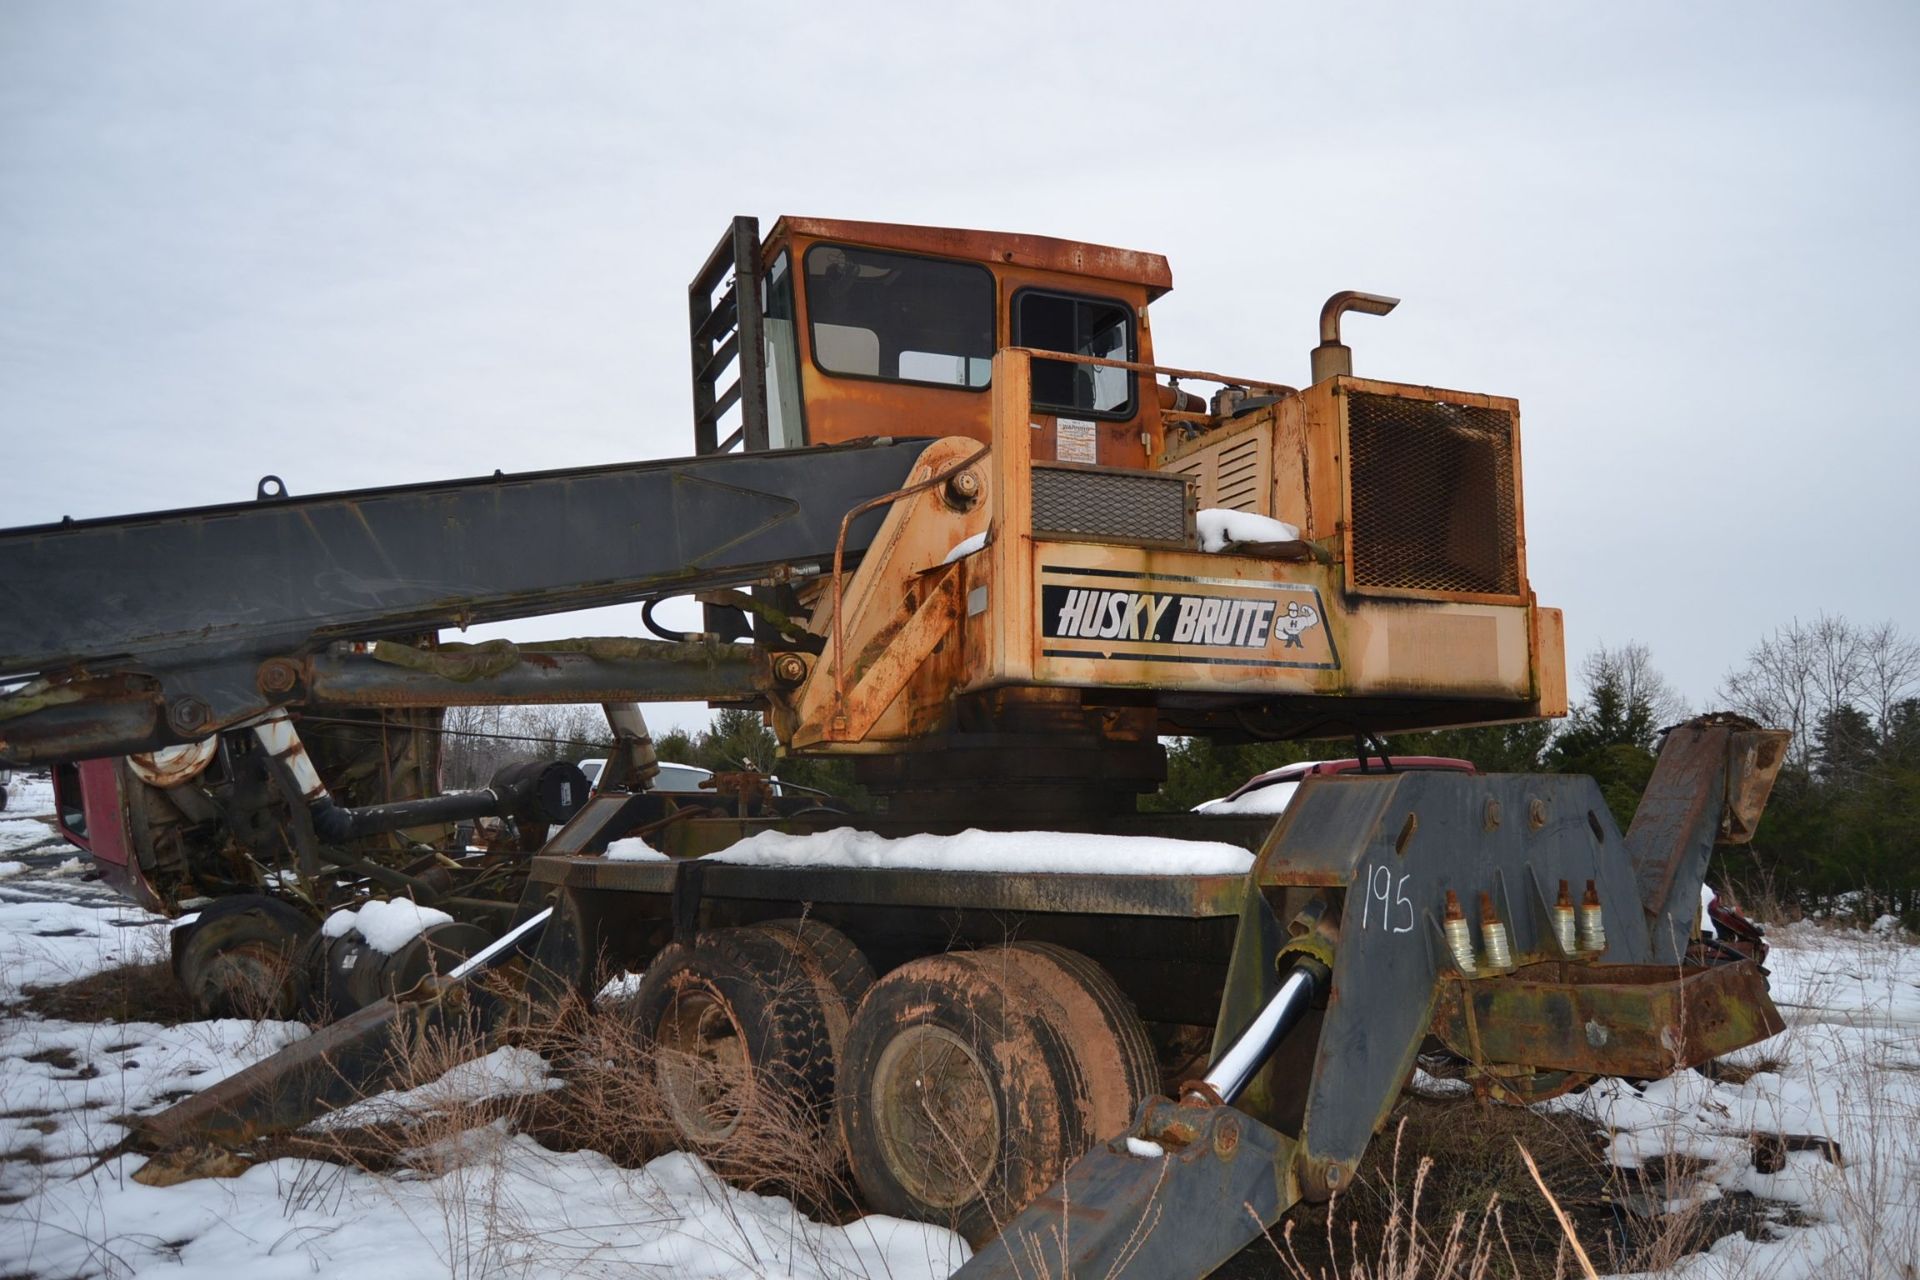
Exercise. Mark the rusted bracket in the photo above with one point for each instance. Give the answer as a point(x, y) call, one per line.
point(886, 665)
point(1185, 1189)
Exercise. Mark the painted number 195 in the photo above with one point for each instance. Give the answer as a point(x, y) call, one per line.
point(1394, 903)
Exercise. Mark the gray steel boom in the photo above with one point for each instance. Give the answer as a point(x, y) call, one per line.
point(155, 627)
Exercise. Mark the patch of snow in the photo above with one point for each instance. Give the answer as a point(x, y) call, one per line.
point(44, 943)
point(23, 833)
point(506, 1072)
point(1272, 799)
point(1847, 1070)
point(634, 849)
point(504, 1205)
point(385, 926)
point(623, 987)
point(1050, 852)
point(1431, 1086)
point(1221, 527)
point(966, 547)
point(63, 1085)
point(1144, 1149)
point(11, 869)
point(71, 867)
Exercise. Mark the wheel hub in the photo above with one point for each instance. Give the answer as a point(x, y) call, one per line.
point(936, 1117)
point(702, 1066)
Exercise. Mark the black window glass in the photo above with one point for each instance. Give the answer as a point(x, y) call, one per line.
point(67, 788)
point(894, 316)
point(1084, 326)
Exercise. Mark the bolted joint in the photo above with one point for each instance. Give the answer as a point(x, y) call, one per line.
point(789, 669)
point(277, 676)
point(188, 715)
point(962, 490)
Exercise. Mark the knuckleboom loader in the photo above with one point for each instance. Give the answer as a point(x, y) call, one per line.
point(949, 517)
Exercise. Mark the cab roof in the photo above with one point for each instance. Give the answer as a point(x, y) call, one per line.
point(1040, 253)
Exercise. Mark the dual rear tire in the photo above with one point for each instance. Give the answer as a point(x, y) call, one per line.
point(958, 1087)
point(746, 1027)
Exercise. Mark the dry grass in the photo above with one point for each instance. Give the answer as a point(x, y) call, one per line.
point(144, 992)
point(1450, 1198)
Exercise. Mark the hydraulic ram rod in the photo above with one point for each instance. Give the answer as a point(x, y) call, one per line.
point(1228, 1077)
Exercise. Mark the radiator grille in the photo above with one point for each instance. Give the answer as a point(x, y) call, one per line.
point(1130, 506)
point(1433, 496)
point(1233, 473)
point(1238, 482)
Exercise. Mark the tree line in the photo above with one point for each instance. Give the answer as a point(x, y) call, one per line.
point(478, 741)
point(1842, 830)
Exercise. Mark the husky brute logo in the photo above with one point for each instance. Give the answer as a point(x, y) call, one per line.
point(1100, 614)
point(1089, 613)
point(1160, 617)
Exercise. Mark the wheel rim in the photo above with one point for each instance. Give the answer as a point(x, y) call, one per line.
point(702, 1065)
point(245, 981)
point(936, 1116)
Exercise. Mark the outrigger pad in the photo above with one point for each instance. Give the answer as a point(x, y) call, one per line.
point(1218, 1181)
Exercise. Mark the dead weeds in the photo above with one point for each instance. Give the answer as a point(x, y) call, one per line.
point(127, 993)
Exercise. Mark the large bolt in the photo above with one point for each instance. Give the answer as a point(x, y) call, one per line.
point(963, 490)
point(277, 675)
point(188, 715)
point(789, 669)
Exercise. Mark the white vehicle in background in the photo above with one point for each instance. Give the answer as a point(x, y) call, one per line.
point(672, 777)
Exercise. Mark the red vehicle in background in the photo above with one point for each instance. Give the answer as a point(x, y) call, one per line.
point(1272, 791)
point(88, 804)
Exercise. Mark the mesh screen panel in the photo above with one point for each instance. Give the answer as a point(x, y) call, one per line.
point(1433, 496)
point(1139, 506)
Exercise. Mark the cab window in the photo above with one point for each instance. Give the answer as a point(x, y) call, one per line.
point(1084, 326)
point(786, 420)
point(899, 317)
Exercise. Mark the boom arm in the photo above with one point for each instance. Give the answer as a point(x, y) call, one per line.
point(159, 628)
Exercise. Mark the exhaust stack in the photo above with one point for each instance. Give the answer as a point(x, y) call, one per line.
point(1332, 358)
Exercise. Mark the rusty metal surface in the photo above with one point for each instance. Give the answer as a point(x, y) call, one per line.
point(1638, 1021)
point(201, 598)
point(501, 673)
point(171, 766)
point(1753, 762)
point(1711, 781)
point(1120, 1216)
point(336, 1065)
point(1040, 253)
point(1184, 897)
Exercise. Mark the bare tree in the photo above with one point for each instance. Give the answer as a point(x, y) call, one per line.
point(1805, 673)
point(481, 740)
point(1632, 665)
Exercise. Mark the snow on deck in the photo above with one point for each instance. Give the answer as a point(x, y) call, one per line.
point(1050, 852)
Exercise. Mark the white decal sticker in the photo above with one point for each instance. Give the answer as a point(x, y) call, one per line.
point(1076, 441)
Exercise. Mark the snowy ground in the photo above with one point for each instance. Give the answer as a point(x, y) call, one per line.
point(1848, 1070)
point(507, 1206)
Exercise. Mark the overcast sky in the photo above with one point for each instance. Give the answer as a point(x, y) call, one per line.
point(358, 244)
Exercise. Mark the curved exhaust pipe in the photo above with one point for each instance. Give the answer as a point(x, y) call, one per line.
point(1332, 358)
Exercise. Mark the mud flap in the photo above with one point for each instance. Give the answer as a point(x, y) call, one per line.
point(1218, 1182)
